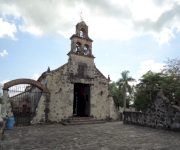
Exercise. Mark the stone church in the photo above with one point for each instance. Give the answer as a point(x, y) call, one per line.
point(77, 88)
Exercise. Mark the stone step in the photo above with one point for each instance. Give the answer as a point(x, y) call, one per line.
point(83, 120)
point(82, 123)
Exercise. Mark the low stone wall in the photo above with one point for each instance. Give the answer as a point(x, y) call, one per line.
point(161, 114)
point(134, 118)
point(116, 113)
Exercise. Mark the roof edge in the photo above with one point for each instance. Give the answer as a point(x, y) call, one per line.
point(100, 72)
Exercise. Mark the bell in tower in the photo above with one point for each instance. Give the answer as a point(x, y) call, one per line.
point(81, 44)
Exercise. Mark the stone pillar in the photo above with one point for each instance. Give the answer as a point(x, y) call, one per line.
point(92, 100)
point(6, 105)
point(111, 102)
point(73, 46)
point(47, 100)
point(40, 110)
point(77, 31)
point(90, 50)
point(71, 99)
point(82, 49)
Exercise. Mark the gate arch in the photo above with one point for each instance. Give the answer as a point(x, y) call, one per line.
point(22, 98)
point(25, 81)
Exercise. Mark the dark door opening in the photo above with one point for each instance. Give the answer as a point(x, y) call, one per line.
point(81, 105)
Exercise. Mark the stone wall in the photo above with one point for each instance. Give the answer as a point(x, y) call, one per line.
point(61, 95)
point(116, 113)
point(161, 114)
point(39, 115)
point(60, 84)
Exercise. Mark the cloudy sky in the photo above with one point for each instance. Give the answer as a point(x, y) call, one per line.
point(134, 35)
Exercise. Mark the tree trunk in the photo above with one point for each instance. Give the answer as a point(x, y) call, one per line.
point(124, 98)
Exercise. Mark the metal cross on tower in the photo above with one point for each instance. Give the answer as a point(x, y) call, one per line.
point(81, 16)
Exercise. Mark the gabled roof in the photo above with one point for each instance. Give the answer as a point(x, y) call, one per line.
point(59, 68)
point(44, 73)
point(100, 72)
point(82, 22)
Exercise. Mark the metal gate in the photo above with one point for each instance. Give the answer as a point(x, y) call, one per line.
point(24, 100)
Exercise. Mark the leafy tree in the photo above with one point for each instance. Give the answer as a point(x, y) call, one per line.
point(147, 89)
point(172, 85)
point(173, 66)
point(124, 86)
point(150, 84)
point(168, 80)
point(117, 93)
point(141, 101)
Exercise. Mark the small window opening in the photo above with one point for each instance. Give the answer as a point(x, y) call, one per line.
point(81, 34)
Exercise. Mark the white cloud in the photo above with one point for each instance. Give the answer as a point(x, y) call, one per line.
point(107, 55)
point(4, 53)
point(164, 36)
point(110, 19)
point(147, 65)
point(31, 29)
point(35, 76)
point(7, 29)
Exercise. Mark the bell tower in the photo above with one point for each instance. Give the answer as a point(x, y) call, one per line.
point(81, 44)
point(81, 59)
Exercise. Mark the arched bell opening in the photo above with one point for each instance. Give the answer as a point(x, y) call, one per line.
point(78, 47)
point(86, 49)
point(82, 33)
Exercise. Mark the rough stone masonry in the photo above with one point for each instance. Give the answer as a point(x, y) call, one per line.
point(161, 114)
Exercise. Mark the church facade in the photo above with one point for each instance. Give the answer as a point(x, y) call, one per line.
point(78, 87)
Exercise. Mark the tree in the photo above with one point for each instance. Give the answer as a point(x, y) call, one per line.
point(125, 87)
point(141, 101)
point(147, 89)
point(117, 93)
point(173, 66)
point(168, 80)
point(150, 84)
point(172, 84)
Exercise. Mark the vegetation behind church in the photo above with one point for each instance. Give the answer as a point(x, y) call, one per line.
point(144, 93)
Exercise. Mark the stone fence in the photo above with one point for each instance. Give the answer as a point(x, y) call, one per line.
point(121, 109)
point(161, 114)
point(116, 112)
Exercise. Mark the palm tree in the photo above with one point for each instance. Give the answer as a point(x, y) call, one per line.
point(125, 87)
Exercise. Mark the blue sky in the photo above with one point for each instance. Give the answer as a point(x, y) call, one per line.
point(127, 35)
